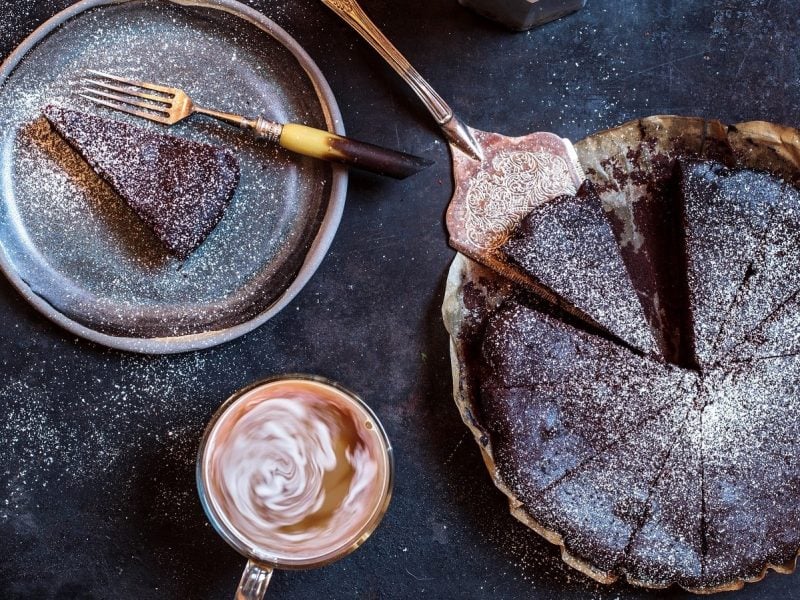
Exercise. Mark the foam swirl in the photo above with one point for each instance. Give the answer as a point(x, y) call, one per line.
point(296, 476)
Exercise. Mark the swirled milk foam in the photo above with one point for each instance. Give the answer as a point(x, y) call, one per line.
point(296, 470)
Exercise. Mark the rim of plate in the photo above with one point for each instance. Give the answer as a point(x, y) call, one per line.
point(316, 253)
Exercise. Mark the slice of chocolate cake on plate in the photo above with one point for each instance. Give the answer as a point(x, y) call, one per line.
point(177, 187)
point(568, 245)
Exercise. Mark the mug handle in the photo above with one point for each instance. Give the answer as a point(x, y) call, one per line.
point(254, 582)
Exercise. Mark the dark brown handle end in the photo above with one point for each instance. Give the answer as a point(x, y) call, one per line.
point(377, 159)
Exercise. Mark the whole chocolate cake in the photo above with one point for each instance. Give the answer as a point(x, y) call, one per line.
point(179, 188)
point(682, 469)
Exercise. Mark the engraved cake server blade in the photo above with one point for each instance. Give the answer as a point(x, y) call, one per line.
point(169, 105)
point(498, 179)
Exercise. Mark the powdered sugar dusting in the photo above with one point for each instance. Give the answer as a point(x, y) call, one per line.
point(179, 188)
point(113, 430)
point(700, 493)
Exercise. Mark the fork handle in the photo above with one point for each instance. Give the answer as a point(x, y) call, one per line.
point(325, 145)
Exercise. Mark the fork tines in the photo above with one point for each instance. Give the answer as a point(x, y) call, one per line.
point(137, 98)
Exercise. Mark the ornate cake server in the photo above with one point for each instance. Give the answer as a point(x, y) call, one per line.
point(498, 179)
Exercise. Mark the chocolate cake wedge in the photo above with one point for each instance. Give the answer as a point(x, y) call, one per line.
point(524, 347)
point(668, 546)
point(568, 245)
point(775, 275)
point(726, 216)
point(751, 471)
point(581, 429)
point(177, 187)
point(599, 507)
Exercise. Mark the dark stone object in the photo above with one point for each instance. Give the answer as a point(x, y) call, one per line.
point(524, 14)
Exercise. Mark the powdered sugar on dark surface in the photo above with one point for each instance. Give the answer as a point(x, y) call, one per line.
point(370, 316)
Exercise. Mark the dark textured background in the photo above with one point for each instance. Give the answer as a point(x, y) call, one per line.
point(97, 492)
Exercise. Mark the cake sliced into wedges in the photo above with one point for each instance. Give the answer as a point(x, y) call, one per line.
point(550, 393)
point(775, 274)
point(599, 507)
point(179, 188)
point(569, 246)
point(640, 470)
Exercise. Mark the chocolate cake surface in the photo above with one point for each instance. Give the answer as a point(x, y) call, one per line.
point(179, 188)
point(599, 507)
point(569, 246)
point(661, 474)
point(667, 548)
point(642, 470)
point(727, 214)
point(776, 336)
point(538, 370)
point(751, 471)
point(775, 273)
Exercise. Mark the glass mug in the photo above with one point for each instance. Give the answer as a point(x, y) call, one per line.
point(294, 472)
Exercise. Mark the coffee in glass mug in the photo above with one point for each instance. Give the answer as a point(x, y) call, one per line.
point(293, 473)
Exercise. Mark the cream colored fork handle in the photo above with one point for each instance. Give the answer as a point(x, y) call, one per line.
point(354, 15)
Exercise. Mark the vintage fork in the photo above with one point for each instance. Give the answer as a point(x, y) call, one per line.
point(169, 105)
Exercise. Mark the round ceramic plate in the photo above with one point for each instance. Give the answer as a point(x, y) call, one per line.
point(78, 253)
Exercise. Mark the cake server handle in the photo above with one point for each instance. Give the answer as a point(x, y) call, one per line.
point(352, 13)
